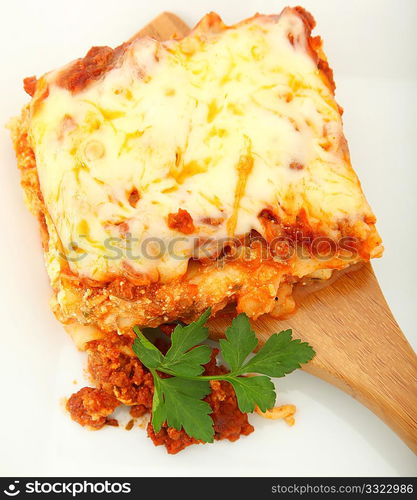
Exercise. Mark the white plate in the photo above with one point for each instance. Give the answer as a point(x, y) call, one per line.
point(371, 46)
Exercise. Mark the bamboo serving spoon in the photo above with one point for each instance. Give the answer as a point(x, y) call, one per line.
point(359, 346)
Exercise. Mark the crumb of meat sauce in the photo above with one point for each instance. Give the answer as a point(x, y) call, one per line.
point(181, 221)
point(130, 424)
point(122, 379)
point(91, 407)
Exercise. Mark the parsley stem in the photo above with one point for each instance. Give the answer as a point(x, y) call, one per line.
point(224, 376)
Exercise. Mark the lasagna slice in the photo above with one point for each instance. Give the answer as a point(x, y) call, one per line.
point(169, 177)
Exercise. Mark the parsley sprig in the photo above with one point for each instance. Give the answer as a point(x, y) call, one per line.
point(178, 400)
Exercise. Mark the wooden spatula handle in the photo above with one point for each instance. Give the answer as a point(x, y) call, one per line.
point(382, 383)
point(360, 347)
point(164, 27)
point(368, 355)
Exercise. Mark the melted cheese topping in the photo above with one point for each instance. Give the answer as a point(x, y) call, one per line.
point(221, 125)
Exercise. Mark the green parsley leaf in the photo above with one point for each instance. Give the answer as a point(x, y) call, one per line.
point(252, 391)
point(159, 415)
point(239, 343)
point(150, 355)
point(183, 338)
point(190, 363)
point(280, 355)
point(178, 400)
point(181, 358)
point(184, 408)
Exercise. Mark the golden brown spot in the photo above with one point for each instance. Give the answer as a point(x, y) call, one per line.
point(295, 165)
point(170, 92)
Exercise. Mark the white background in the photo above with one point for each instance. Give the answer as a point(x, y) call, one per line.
point(371, 46)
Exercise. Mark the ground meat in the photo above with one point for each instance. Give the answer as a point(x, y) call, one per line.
point(91, 407)
point(138, 411)
point(168, 329)
point(229, 422)
point(80, 73)
point(181, 221)
point(173, 440)
point(29, 84)
point(121, 378)
point(115, 369)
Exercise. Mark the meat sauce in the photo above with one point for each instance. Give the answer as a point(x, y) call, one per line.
point(120, 378)
point(181, 221)
point(80, 73)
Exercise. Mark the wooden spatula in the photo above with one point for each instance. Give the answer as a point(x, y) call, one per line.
point(360, 348)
